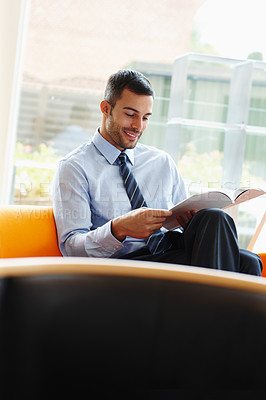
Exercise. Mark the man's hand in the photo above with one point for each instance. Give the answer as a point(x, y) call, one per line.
point(184, 220)
point(139, 223)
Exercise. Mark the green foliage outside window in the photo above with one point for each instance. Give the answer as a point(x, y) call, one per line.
point(34, 172)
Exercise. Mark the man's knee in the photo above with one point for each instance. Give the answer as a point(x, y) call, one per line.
point(215, 215)
point(213, 212)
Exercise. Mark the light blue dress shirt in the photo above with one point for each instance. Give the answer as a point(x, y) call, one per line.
point(88, 192)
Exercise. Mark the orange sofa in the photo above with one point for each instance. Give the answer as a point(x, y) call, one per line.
point(30, 231)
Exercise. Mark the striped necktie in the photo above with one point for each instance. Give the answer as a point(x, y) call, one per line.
point(157, 243)
point(132, 188)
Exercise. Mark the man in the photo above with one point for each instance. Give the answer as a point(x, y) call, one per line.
point(97, 215)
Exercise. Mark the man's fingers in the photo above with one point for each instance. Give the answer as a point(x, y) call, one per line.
point(181, 221)
point(156, 213)
point(184, 219)
point(190, 213)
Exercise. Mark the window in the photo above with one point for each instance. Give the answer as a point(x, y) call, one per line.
point(71, 49)
point(209, 132)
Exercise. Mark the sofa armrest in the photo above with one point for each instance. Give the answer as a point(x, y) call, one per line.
point(27, 231)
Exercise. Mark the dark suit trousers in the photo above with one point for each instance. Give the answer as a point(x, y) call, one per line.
point(209, 240)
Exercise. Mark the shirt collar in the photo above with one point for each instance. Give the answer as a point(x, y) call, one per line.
point(109, 151)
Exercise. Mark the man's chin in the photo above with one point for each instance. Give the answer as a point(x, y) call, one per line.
point(131, 145)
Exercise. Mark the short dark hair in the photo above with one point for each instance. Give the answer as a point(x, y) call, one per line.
point(134, 81)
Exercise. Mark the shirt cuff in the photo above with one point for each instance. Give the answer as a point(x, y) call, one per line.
point(104, 241)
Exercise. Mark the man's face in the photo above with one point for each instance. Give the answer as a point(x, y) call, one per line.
point(128, 119)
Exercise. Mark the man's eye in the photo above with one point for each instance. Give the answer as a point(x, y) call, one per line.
point(130, 115)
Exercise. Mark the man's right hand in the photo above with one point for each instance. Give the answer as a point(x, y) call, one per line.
point(140, 223)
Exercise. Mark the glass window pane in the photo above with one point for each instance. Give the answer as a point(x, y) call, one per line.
point(207, 91)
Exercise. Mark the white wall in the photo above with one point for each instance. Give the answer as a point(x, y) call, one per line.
point(13, 26)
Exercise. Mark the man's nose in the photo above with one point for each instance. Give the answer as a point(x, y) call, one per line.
point(138, 124)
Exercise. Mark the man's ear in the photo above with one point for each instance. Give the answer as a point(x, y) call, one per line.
point(105, 107)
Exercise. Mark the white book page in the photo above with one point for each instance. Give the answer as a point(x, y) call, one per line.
point(213, 199)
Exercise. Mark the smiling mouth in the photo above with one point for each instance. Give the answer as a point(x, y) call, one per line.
point(131, 134)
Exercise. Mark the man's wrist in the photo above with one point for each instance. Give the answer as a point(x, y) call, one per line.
point(117, 230)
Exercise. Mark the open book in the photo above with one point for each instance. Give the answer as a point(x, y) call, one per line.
point(212, 199)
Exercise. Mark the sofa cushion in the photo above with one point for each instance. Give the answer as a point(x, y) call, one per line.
point(27, 231)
